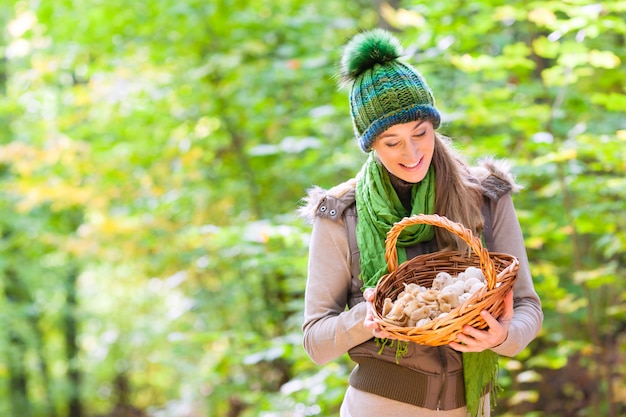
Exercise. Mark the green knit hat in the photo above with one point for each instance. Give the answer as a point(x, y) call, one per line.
point(385, 91)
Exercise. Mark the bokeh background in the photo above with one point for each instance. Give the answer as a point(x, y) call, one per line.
point(153, 154)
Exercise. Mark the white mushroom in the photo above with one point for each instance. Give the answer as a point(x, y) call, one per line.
point(476, 287)
point(450, 299)
point(470, 283)
point(411, 306)
point(441, 280)
point(397, 311)
point(428, 297)
point(457, 289)
point(422, 322)
point(473, 272)
point(387, 306)
point(464, 297)
point(420, 313)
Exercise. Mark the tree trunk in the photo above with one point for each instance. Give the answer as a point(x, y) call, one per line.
point(18, 377)
point(71, 345)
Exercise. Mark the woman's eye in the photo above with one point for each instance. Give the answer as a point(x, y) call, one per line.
point(419, 134)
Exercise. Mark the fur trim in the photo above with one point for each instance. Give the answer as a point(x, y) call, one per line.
point(310, 203)
point(316, 194)
point(499, 168)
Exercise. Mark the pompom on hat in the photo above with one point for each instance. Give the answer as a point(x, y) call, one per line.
point(384, 91)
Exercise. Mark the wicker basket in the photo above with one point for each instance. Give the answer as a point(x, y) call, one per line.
point(499, 269)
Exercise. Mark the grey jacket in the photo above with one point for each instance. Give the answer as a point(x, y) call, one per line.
point(335, 309)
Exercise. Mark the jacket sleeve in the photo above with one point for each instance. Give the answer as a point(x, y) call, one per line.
point(528, 316)
point(329, 329)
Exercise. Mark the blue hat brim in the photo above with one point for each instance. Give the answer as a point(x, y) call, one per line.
point(405, 115)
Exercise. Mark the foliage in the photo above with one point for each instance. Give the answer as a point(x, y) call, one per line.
point(153, 155)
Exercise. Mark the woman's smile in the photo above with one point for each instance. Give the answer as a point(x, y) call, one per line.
point(406, 149)
point(414, 166)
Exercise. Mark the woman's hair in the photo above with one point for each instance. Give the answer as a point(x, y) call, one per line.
point(458, 195)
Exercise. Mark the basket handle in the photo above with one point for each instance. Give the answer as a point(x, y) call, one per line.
point(391, 252)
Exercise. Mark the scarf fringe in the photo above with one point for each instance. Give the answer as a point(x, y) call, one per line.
point(480, 371)
point(402, 347)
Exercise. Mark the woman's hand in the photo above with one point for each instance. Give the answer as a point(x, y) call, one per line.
point(369, 322)
point(474, 340)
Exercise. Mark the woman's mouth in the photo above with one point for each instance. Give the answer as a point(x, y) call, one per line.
point(413, 166)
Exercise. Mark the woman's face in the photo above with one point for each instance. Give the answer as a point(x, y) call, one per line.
point(406, 150)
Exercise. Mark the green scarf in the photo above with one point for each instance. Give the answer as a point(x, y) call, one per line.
point(378, 208)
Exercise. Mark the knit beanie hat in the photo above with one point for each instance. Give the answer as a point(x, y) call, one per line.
point(384, 90)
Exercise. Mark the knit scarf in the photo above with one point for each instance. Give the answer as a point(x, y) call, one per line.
point(378, 208)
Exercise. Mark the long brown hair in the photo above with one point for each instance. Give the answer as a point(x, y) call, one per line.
point(457, 195)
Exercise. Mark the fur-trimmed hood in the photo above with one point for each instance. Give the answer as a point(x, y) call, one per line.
point(341, 195)
point(498, 168)
point(494, 175)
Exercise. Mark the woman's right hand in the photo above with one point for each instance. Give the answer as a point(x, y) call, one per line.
point(369, 322)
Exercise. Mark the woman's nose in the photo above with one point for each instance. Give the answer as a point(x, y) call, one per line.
point(411, 149)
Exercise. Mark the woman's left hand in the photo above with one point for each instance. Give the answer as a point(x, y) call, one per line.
point(369, 317)
point(474, 340)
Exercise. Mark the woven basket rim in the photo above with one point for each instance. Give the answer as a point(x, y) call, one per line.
point(441, 331)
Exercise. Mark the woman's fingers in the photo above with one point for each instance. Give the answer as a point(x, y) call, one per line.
point(475, 340)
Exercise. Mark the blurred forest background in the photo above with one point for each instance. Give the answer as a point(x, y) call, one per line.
point(153, 154)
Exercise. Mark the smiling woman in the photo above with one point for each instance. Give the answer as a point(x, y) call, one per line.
point(411, 169)
point(406, 149)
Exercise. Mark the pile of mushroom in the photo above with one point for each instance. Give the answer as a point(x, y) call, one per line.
point(416, 306)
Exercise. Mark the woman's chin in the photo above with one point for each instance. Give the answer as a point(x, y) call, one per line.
point(409, 175)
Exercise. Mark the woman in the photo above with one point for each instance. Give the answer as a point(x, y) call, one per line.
point(411, 169)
